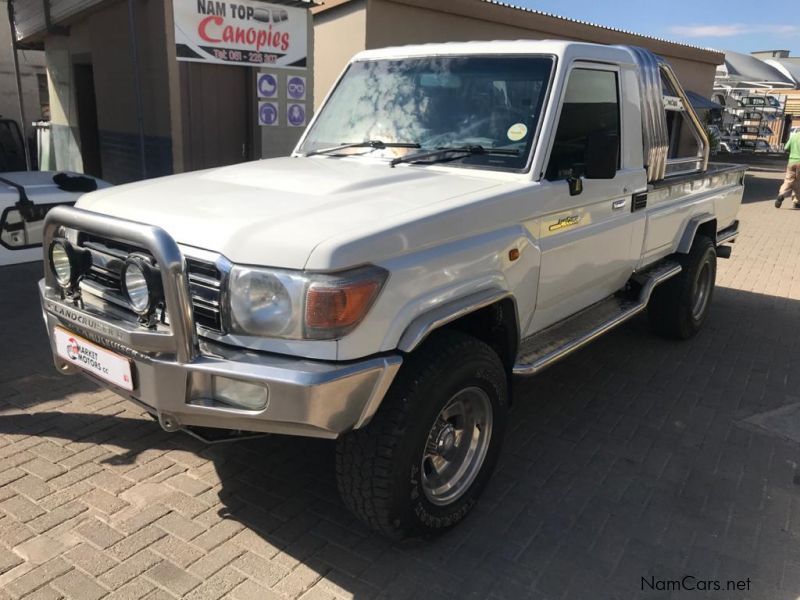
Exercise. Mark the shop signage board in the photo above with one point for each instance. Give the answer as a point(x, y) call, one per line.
point(245, 32)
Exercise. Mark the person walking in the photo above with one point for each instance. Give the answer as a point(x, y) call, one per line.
point(791, 183)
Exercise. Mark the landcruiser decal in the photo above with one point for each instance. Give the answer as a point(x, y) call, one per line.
point(78, 318)
point(565, 222)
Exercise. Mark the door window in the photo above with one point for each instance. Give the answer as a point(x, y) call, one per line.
point(590, 108)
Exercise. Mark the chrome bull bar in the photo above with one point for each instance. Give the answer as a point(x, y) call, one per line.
point(183, 337)
point(175, 372)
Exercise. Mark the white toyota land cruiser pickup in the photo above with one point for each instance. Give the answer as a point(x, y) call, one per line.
point(454, 215)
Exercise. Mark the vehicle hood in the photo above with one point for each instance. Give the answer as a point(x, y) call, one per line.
point(39, 187)
point(275, 212)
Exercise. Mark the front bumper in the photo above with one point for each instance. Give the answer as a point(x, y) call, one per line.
point(304, 397)
point(174, 370)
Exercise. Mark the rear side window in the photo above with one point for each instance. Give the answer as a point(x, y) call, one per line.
point(591, 107)
point(685, 151)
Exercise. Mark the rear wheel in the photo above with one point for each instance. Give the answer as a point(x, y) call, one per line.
point(420, 465)
point(679, 307)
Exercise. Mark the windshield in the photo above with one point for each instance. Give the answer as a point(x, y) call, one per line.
point(436, 102)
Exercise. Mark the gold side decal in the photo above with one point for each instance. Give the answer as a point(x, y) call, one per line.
point(565, 222)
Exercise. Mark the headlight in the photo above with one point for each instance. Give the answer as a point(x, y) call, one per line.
point(59, 261)
point(141, 282)
point(266, 303)
point(299, 305)
point(68, 262)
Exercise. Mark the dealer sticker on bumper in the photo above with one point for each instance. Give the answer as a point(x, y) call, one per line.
point(92, 358)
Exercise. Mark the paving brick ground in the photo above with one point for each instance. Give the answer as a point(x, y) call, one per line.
point(631, 459)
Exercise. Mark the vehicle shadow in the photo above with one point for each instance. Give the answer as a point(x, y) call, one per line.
point(27, 376)
point(761, 185)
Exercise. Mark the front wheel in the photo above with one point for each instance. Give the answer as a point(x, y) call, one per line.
point(420, 465)
point(679, 307)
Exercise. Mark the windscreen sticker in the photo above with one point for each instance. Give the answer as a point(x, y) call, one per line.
point(517, 132)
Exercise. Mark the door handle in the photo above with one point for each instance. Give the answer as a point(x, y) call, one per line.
point(619, 204)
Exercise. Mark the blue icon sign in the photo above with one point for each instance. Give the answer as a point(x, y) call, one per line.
point(267, 85)
point(296, 87)
point(296, 115)
point(267, 113)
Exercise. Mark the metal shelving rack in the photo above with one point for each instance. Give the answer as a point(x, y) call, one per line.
point(752, 119)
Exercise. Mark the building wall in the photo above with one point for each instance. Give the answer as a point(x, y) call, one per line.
point(392, 23)
point(31, 65)
point(695, 76)
point(339, 33)
point(344, 28)
point(102, 39)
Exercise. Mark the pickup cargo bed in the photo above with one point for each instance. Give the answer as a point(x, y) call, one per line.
point(674, 201)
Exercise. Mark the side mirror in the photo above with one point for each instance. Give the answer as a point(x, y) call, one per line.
point(22, 225)
point(602, 154)
point(575, 184)
point(16, 233)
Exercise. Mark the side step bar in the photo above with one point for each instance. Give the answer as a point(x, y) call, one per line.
point(544, 348)
point(728, 234)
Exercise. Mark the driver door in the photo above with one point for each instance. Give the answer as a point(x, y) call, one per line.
point(585, 234)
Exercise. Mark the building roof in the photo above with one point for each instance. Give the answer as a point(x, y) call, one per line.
point(788, 68)
point(713, 56)
point(591, 24)
point(748, 71)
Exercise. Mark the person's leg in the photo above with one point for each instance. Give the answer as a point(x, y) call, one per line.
point(788, 184)
point(796, 185)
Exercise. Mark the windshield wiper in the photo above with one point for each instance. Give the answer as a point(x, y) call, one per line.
point(374, 144)
point(441, 153)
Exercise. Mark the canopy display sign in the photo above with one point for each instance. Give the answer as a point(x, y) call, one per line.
point(245, 32)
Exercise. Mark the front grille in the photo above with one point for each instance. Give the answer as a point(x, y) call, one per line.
point(104, 279)
point(205, 287)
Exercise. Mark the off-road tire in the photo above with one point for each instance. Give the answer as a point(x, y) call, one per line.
point(671, 307)
point(378, 467)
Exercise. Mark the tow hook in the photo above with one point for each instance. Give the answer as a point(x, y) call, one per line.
point(168, 422)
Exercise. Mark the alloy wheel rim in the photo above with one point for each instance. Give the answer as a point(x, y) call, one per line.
point(456, 446)
point(701, 292)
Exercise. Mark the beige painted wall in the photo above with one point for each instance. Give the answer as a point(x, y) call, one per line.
point(695, 76)
point(339, 33)
point(31, 63)
point(391, 23)
point(64, 138)
point(340, 30)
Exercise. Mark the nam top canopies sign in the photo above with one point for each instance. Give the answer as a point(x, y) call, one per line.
point(246, 32)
